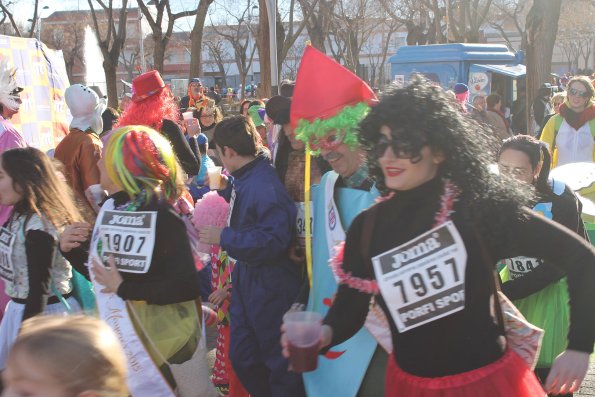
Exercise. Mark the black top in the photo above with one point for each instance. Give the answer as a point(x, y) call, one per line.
point(566, 211)
point(172, 276)
point(188, 160)
point(466, 339)
point(39, 247)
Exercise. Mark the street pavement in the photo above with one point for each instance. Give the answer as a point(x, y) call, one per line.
point(588, 388)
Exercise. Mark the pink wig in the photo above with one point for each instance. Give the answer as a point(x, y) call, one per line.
point(151, 111)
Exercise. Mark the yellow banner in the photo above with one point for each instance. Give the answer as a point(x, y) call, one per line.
point(43, 118)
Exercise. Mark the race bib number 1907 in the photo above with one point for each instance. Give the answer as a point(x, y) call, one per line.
point(130, 238)
point(424, 279)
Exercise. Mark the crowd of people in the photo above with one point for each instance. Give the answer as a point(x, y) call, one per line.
point(412, 224)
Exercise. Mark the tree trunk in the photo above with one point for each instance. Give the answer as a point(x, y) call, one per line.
point(158, 54)
point(111, 82)
point(264, 50)
point(196, 39)
point(542, 28)
point(243, 83)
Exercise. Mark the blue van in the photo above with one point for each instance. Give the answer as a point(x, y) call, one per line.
point(485, 68)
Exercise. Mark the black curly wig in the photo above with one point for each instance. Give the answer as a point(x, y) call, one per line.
point(421, 114)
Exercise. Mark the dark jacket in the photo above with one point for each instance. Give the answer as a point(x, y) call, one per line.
point(262, 224)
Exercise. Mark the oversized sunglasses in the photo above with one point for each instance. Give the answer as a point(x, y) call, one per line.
point(401, 149)
point(579, 93)
point(328, 142)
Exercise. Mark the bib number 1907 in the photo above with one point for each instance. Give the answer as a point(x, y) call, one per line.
point(124, 243)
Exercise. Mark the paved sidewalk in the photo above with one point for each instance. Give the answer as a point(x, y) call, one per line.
point(588, 388)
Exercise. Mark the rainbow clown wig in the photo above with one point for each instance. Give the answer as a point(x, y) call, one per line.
point(139, 159)
point(329, 101)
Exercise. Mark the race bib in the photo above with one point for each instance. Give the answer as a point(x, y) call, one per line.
point(424, 279)
point(521, 265)
point(301, 219)
point(129, 237)
point(6, 242)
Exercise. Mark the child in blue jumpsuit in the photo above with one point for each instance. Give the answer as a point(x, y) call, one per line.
point(265, 281)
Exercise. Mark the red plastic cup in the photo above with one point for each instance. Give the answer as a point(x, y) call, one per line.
point(303, 331)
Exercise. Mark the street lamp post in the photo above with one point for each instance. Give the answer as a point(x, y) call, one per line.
point(250, 16)
point(272, 17)
point(38, 21)
point(142, 42)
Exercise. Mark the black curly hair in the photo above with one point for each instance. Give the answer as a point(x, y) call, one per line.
point(421, 114)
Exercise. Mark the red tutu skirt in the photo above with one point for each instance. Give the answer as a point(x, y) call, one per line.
point(507, 377)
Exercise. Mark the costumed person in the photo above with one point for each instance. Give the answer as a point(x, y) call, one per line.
point(290, 163)
point(570, 134)
point(213, 210)
point(537, 288)
point(143, 266)
point(326, 121)
point(153, 106)
point(428, 252)
point(80, 150)
point(261, 228)
point(66, 356)
point(10, 138)
point(196, 97)
point(36, 276)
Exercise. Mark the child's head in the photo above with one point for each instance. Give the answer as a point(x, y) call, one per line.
point(65, 357)
point(236, 137)
point(138, 159)
point(30, 182)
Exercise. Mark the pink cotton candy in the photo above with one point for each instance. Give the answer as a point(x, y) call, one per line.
point(210, 210)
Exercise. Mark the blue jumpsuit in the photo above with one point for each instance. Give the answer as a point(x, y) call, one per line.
point(265, 281)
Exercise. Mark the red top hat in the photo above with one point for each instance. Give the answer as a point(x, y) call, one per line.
point(323, 88)
point(146, 84)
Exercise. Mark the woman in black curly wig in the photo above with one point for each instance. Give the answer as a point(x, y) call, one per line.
point(427, 254)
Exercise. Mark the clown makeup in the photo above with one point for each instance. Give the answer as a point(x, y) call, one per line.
point(401, 172)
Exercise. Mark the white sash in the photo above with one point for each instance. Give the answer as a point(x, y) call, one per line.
point(376, 322)
point(144, 378)
point(335, 233)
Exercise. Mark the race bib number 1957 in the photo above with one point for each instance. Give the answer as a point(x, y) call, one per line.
point(130, 238)
point(424, 279)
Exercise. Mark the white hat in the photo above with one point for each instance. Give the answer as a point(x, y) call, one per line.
point(86, 108)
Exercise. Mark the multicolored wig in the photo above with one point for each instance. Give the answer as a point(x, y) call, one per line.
point(151, 111)
point(139, 159)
